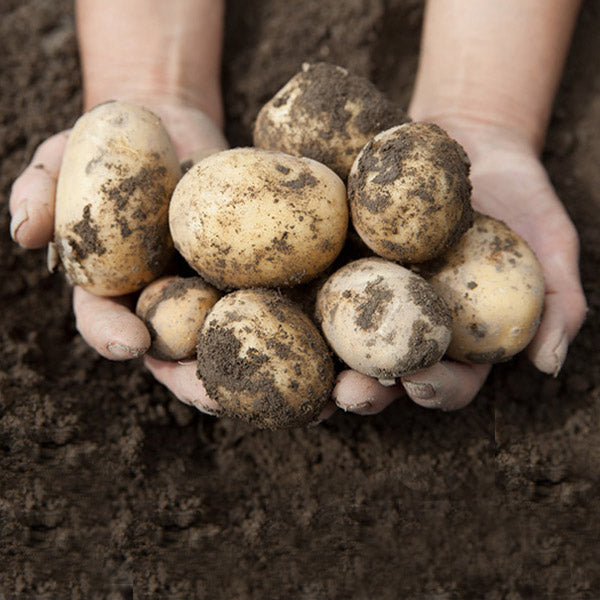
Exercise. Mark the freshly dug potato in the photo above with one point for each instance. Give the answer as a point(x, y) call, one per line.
point(111, 221)
point(494, 286)
point(173, 309)
point(327, 114)
point(409, 193)
point(382, 319)
point(263, 360)
point(254, 218)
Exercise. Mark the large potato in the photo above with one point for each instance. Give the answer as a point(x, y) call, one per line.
point(382, 319)
point(263, 360)
point(327, 114)
point(111, 222)
point(409, 193)
point(250, 218)
point(494, 286)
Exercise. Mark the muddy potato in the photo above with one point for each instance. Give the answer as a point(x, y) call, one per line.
point(494, 286)
point(254, 218)
point(409, 193)
point(263, 360)
point(382, 319)
point(111, 221)
point(327, 114)
point(173, 309)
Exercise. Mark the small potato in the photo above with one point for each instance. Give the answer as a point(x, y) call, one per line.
point(253, 218)
point(382, 319)
point(263, 360)
point(494, 286)
point(327, 114)
point(111, 222)
point(173, 309)
point(409, 193)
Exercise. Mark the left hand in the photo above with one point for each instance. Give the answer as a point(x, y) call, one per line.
point(510, 184)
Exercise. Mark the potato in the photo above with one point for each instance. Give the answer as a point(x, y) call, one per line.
point(173, 309)
point(494, 287)
point(253, 218)
point(263, 360)
point(111, 221)
point(382, 319)
point(327, 114)
point(409, 193)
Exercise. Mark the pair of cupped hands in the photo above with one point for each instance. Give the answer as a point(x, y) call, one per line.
point(509, 183)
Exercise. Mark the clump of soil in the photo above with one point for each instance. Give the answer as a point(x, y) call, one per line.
point(109, 488)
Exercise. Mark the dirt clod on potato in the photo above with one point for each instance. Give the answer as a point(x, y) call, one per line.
point(264, 361)
point(327, 114)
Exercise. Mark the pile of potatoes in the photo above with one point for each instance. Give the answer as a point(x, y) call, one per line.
point(344, 236)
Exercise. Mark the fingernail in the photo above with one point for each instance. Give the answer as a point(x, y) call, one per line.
point(551, 358)
point(559, 354)
point(421, 391)
point(122, 352)
point(19, 217)
point(186, 361)
point(360, 406)
point(213, 412)
point(327, 411)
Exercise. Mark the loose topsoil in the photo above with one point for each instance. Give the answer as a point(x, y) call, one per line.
point(111, 489)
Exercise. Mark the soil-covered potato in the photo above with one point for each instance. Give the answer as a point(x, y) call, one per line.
point(494, 286)
point(174, 308)
point(325, 113)
point(409, 192)
point(253, 218)
point(382, 319)
point(111, 221)
point(263, 360)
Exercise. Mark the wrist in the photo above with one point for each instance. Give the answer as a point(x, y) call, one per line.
point(152, 52)
point(155, 96)
point(483, 138)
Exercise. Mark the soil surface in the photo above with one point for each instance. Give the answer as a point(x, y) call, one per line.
point(111, 489)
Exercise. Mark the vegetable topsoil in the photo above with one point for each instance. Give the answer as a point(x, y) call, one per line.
point(111, 489)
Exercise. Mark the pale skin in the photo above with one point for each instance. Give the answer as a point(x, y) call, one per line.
point(493, 92)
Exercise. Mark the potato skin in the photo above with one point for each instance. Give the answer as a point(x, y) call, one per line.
point(409, 193)
point(494, 287)
point(382, 319)
point(174, 308)
point(253, 218)
point(327, 114)
point(111, 220)
point(264, 361)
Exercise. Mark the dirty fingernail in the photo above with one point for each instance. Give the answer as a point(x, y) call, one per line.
point(19, 217)
point(421, 391)
point(359, 406)
point(551, 357)
point(122, 352)
point(213, 412)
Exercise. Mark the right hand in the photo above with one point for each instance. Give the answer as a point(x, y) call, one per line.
point(109, 325)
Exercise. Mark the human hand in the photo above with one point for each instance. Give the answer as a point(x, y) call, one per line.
point(511, 184)
point(107, 324)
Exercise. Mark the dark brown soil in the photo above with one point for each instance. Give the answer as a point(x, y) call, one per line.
point(111, 489)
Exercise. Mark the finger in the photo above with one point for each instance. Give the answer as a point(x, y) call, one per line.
point(181, 380)
point(109, 326)
point(447, 385)
point(563, 313)
point(361, 394)
point(564, 305)
point(32, 195)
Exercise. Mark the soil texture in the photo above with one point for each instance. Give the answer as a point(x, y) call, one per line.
point(110, 488)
